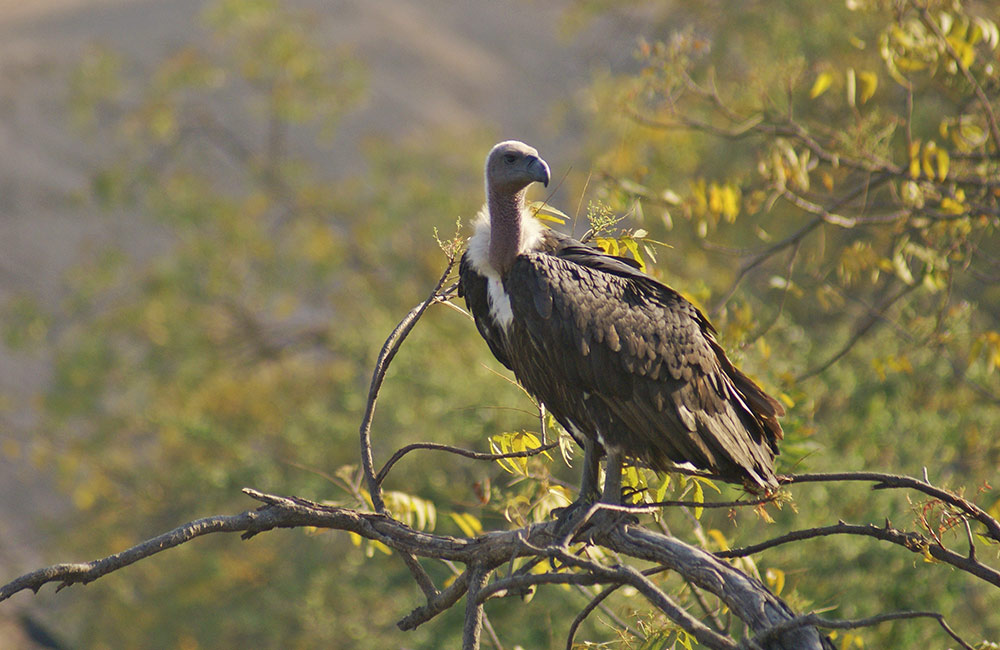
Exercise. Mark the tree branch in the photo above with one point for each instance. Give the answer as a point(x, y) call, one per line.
point(389, 349)
point(984, 101)
point(746, 597)
point(895, 481)
point(911, 541)
point(818, 621)
point(467, 453)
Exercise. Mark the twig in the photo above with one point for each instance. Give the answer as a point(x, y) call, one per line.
point(859, 333)
point(712, 615)
point(467, 453)
point(911, 541)
point(818, 621)
point(628, 575)
point(491, 632)
point(610, 614)
point(894, 481)
point(442, 602)
point(984, 101)
point(389, 349)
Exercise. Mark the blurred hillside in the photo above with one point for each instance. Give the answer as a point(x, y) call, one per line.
point(506, 67)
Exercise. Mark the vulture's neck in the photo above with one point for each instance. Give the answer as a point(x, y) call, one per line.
point(505, 228)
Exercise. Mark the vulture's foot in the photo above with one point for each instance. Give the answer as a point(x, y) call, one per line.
point(570, 518)
point(587, 519)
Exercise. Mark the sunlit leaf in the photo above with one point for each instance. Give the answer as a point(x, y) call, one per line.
point(775, 580)
point(869, 84)
point(821, 85)
point(470, 525)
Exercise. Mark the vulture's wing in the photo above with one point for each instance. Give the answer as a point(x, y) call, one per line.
point(648, 354)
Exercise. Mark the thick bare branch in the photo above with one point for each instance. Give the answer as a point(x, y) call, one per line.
point(746, 597)
point(478, 575)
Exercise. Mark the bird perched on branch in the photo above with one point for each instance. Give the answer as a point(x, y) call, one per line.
point(623, 362)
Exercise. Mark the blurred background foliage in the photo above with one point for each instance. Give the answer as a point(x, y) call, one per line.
point(824, 172)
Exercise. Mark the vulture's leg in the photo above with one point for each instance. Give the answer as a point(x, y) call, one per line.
point(589, 486)
point(613, 479)
point(591, 468)
point(599, 520)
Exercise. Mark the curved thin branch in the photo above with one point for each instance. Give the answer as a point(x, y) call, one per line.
point(440, 603)
point(595, 602)
point(466, 453)
point(859, 333)
point(911, 541)
point(818, 621)
point(385, 356)
point(984, 101)
point(629, 575)
point(895, 481)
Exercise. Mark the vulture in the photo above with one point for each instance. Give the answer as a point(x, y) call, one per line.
point(626, 364)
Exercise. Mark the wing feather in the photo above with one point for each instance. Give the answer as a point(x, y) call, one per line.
point(648, 356)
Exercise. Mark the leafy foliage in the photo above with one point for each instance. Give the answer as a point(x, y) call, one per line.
point(825, 176)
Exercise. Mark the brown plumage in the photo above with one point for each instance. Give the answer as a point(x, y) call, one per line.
point(624, 362)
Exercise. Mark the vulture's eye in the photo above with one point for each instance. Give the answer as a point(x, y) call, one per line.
point(509, 158)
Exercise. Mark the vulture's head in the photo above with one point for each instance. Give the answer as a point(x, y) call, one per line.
point(512, 166)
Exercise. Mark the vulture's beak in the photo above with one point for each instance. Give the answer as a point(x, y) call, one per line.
point(538, 170)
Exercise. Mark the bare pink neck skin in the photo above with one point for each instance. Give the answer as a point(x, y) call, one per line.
point(505, 228)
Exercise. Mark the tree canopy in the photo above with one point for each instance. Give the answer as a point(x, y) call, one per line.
point(821, 178)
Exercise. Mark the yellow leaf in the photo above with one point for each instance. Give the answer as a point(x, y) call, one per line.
point(852, 88)
point(914, 159)
point(608, 244)
point(966, 53)
point(661, 492)
point(470, 525)
point(869, 83)
point(820, 86)
point(699, 497)
point(827, 180)
point(714, 198)
point(951, 206)
point(730, 202)
point(943, 162)
point(775, 580)
point(719, 539)
point(546, 212)
point(930, 150)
